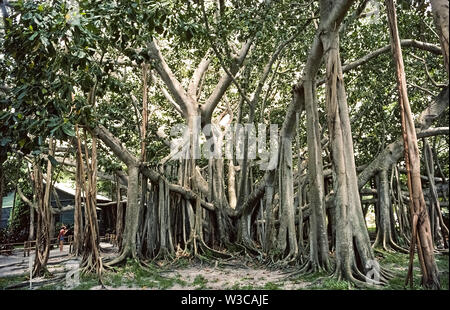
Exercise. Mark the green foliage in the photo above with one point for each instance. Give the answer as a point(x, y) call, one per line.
point(200, 282)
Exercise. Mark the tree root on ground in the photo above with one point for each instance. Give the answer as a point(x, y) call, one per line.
point(390, 246)
point(307, 268)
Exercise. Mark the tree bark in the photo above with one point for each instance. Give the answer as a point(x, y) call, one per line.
point(352, 239)
point(2, 179)
point(385, 229)
point(91, 261)
point(42, 199)
point(420, 220)
point(119, 216)
point(439, 229)
point(78, 214)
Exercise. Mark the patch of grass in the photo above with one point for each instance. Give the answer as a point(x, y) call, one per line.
point(272, 286)
point(398, 263)
point(132, 274)
point(200, 281)
point(164, 282)
point(11, 280)
point(311, 276)
point(372, 230)
point(443, 266)
point(183, 262)
point(398, 282)
point(180, 281)
point(87, 282)
point(237, 286)
point(114, 279)
point(394, 258)
point(331, 284)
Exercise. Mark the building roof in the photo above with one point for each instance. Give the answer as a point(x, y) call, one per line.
point(68, 190)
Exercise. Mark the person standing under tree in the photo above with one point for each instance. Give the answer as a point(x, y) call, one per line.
point(61, 234)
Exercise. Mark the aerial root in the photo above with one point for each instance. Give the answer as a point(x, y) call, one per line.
point(389, 246)
point(197, 248)
point(308, 268)
point(124, 255)
point(250, 250)
point(386, 273)
point(348, 276)
point(164, 255)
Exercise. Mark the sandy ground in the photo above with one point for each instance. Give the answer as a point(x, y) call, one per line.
point(232, 276)
point(16, 264)
point(229, 277)
point(223, 278)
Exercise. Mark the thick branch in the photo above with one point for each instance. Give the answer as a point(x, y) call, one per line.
point(225, 81)
point(180, 96)
point(115, 145)
point(193, 87)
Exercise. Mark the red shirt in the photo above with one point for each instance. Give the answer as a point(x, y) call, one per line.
point(62, 232)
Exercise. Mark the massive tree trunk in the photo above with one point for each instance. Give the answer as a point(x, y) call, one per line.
point(287, 239)
point(420, 221)
point(353, 252)
point(330, 16)
point(318, 239)
point(131, 215)
point(133, 207)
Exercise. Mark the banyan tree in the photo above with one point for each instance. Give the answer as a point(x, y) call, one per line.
point(305, 135)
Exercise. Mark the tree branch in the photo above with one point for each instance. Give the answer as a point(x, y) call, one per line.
point(184, 101)
point(225, 81)
point(115, 145)
point(193, 88)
